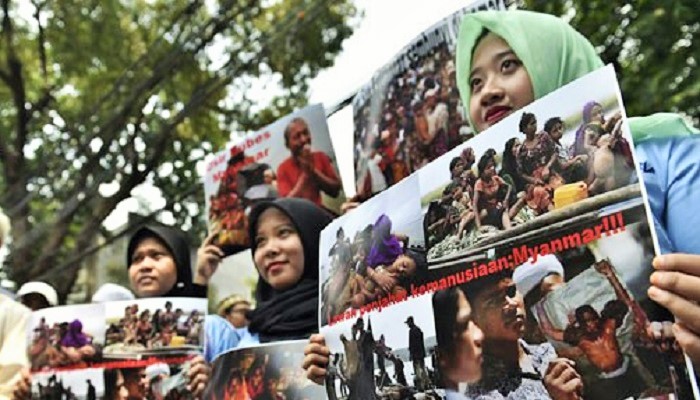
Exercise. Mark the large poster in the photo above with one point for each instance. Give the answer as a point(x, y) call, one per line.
point(511, 265)
point(293, 157)
point(410, 112)
point(137, 349)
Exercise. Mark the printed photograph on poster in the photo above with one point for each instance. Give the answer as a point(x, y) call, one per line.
point(66, 337)
point(410, 112)
point(543, 161)
point(384, 354)
point(370, 257)
point(151, 380)
point(293, 157)
point(270, 371)
point(576, 291)
point(84, 384)
point(623, 346)
point(154, 325)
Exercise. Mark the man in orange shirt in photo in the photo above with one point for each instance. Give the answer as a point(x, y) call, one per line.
point(306, 173)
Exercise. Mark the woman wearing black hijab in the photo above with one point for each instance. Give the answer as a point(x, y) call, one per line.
point(285, 237)
point(158, 261)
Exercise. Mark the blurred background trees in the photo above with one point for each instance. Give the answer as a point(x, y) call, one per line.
point(100, 96)
point(654, 45)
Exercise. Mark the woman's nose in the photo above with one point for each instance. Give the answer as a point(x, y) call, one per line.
point(270, 248)
point(492, 91)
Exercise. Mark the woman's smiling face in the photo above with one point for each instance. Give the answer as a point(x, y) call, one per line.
point(278, 253)
point(498, 81)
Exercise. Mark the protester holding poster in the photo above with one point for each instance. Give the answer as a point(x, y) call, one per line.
point(158, 263)
point(506, 84)
point(605, 230)
point(285, 252)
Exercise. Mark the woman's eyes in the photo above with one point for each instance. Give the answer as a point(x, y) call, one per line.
point(507, 66)
point(474, 84)
point(510, 64)
point(281, 233)
point(284, 232)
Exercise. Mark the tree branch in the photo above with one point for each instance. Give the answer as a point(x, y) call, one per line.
point(41, 43)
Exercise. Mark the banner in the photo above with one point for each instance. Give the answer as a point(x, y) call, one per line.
point(141, 347)
point(410, 112)
point(526, 254)
point(293, 157)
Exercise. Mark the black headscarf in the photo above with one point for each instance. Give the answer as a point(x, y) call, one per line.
point(179, 245)
point(292, 313)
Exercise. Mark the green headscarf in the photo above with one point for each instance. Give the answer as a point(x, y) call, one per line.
point(553, 54)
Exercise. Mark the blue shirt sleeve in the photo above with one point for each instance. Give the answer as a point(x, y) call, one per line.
point(671, 172)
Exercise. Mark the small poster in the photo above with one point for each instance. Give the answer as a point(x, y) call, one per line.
point(139, 349)
point(293, 157)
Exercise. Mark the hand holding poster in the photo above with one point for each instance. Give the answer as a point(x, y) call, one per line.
point(537, 290)
point(292, 157)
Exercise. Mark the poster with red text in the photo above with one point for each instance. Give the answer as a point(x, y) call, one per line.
point(140, 349)
point(292, 157)
point(535, 262)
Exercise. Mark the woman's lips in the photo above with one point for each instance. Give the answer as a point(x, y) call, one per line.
point(274, 267)
point(145, 280)
point(496, 113)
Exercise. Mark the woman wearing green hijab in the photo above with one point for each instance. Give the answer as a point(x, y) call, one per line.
point(507, 59)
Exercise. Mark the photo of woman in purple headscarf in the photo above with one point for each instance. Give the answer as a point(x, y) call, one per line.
point(59, 340)
point(383, 267)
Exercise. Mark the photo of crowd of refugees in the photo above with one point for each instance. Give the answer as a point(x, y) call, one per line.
point(415, 119)
point(529, 175)
point(271, 372)
point(364, 262)
point(290, 158)
point(149, 324)
point(85, 384)
point(57, 341)
point(385, 355)
point(580, 318)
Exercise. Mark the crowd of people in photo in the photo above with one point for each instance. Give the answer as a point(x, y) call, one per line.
point(376, 264)
point(163, 328)
point(530, 173)
point(62, 344)
point(421, 118)
point(55, 389)
point(360, 370)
